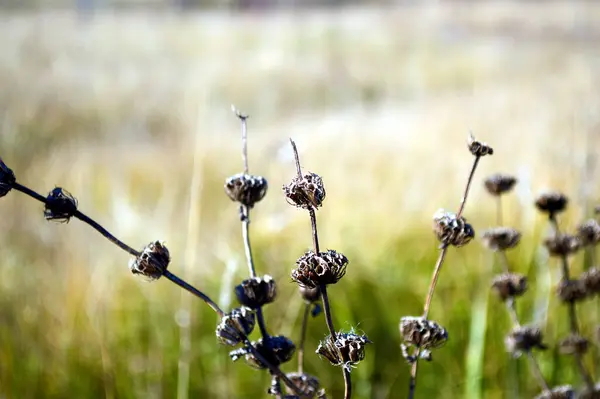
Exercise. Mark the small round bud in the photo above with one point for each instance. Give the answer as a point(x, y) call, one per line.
point(235, 326)
point(574, 343)
point(314, 270)
point(591, 281)
point(499, 184)
point(478, 148)
point(551, 202)
point(310, 295)
point(523, 339)
point(589, 232)
point(560, 392)
point(7, 179)
point(152, 262)
point(275, 350)
point(571, 290)
point(509, 285)
point(422, 333)
point(307, 384)
point(306, 191)
point(256, 292)
point(246, 189)
point(60, 205)
point(501, 238)
point(562, 244)
point(451, 230)
point(346, 350)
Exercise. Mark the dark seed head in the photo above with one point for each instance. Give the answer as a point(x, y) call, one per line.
point(346, 350)
point(235, 327)
point(562, 244)
point(499, 184)
point(7, 179)
point(574, 343)
point(560, 392)
point(306, 191)
point(314, 270)
point(501, 238)
point(256, 292)
point(571, 290)
point(152, 262)
point(422, 333)
point(589, 232)
point(509, 285)
point(591, 281)
point(551, 202)
point(246, 189)
point(60, 205)
point(310, 295)
point(275, 350)
point(307, 384)
point(451, 230)
point(478, 148)
point(523, 339)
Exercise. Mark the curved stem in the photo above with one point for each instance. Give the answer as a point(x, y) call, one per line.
point(327, 311)
point(347, 383)
point(436, 274)
point(303, 338)
point(463, 201)
point(186, 286)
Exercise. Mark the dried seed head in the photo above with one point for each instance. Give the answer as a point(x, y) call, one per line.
point(451, 230)
point(523, 339)
point(307, 384)
point(499, 184)
point(246, 189)
point(7, 179)
point(314, 270)
point(348, 349)
point(560, 392)
point(421, 333)
point(60, 205)
point(275, 350)
point(478, 148)
point(235, 326)
point(256, 292)
point(501, 238)
point(306, 191)
point(574, 343)
point(571, 290)
point(310, 295)
point(562, 244)
point(509, 285)
point(551, 202)
point(589, 232)
point(152, 262)
point(591, 281)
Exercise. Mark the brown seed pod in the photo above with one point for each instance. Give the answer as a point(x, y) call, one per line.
point(574, 343)
point(421, 333)
point(523, 339)
point(509, 285)
point(571, 290)
point(560, 392)
point(551, 202)
point(7, 179)
point(501, 238)
point(451, 230)
point(246, 189)
point(499, 184)
point(348, 349)
point(591, 281)
point(305, 192)
point(589, 232)
point(306, 383)
point(314, 270)
point(60, 205)
point(235, 326)
point(256, 292)
point(152, 262)
point(562, 244)
point(478, 148)
point(275, 350)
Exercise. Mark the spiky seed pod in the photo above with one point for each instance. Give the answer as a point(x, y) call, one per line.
point(589, 232)
point(152, 262)
point(451, 230)
point(314, 270)
point(7, 179)
point(478, 148)
point(246, 189)
point(60, 205)
point(501, 238)
point(571, 290)
point(235, 326)
point(305, 192)
point(348, 349)
point(523, 339)
point(422, 333)
point(551, 202)
point(562, 244)
point(560, 392)
point(591, 281)
point(306, 383)
point(275, 350)
point(509, 285)
point(310, 295)
point(574, 343)
point(499, 184)
point(256, 292)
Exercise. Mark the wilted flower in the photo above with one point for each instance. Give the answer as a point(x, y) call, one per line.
point(7, 179)
point(325, 268)
point(501, 238)
point(589, 232)
point(523, 339)
point(152, 262)
point(235, 326)
point(478, 148)
point(246, 189)
point(422, 333)
point(574, 343)
point(451, 230)
point(551, 202)
point(346, 350)
point(562, 244)
point(499, 184)
point(256, 292)
point(560, 392)
point(571, 290)
point(307, 383)
point(306, 191)
point(509, 285)
point(60, 205)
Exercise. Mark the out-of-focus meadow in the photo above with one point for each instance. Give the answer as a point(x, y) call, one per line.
point(130, 111)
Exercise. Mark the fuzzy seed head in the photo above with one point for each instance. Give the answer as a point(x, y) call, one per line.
point(235, 326)
point(256, 292)
point(574, 343)
point(523, 339)
point(571, 290)
point(314, 270)
point(306, 383)
point(7, 179)
point(451, 230)
point(551, 202)
point(509, 285)
point(275, 350)
point(562, 244)
point(152, 262)
point(501, 238)
point(348, 349)
point(422, 333)
point(478, 148)
point(310, 295)
point(246, 189)
point(589, 232)
point(60, 205)
point(499, 184)
point(560, 392)
point(591, 281)
point(305, 192)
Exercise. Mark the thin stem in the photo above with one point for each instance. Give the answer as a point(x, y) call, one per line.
point(243, 118)
point(183, 284)
point(512, 311)
point(275, 387)
point(504, 261)
point(28, 191)
point(347, 383)
point(246, 238)
point(260, 318)
point(303, 338)
point(296, 158)
point(327, 311)
point(315, 234)
point(463, 201)
point(436, 274)
point(499, 210)
point(537, 373)
point(413, 378)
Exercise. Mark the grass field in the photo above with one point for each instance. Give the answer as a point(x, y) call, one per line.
point(131, 113)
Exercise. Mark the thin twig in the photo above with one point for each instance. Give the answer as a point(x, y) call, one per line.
point(315, 234)
point(463, 201)
point(347, 383)
point(246, 238)
point(413, 378)
point(243, 118)
point(303, 338)
point(327, 311)
point(535, 367)
point(436, 274)
point(296, 158)
point(186, 286)
point(499, 210)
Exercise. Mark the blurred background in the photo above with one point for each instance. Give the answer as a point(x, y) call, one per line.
point(127, 104)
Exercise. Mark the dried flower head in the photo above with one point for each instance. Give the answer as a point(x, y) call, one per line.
point(235, 326)
point(509, 285)
point(306, 191)
point(591, 281)
point(499, 184)
point(60, 205)
point(562, 244)
point(451, 230)
point(310, 295)
point(551, 202)
point(523, 339)
point(560, 392)
point(589, 232)
point(574, 343)
point(275, 350)
point(478, 148)
point(325, 268)
point(346, 350)
point(246, 189)
point(7, 179)
point(571, 290)
point(306, 383)
point(501, 238)
point(422, 333)
point(256, 292)
point(152, 262)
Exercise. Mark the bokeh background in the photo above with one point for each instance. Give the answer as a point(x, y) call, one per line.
point(127, 105)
